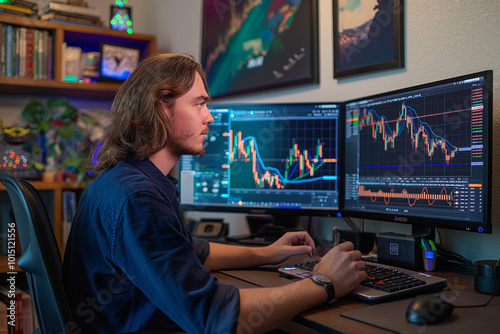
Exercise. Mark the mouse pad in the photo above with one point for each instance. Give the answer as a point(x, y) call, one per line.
point(391, 316)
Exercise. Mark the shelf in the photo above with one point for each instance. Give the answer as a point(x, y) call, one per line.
point(87, 37)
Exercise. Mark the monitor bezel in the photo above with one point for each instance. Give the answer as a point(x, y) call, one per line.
point(320, 212)
point(420, 221)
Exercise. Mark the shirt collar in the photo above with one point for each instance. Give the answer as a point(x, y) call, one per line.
point(168, 184)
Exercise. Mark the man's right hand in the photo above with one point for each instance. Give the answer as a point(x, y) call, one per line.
point(343, 265)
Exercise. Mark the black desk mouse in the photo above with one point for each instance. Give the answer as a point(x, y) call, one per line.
point(424, 310)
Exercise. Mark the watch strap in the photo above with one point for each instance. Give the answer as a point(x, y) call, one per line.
point(326, 283)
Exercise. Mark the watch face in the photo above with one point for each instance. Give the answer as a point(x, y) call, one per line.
point(322, 278)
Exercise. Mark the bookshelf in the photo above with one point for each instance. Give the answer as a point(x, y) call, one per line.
point(87, 37)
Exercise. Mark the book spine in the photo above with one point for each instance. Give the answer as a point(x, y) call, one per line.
point(41, 46)
point(50, 62)
point(4, 328)
point(45, 54)
point(3, 45)
point(30, 52)
point(15, 53)
point(22, 52)
point(71, 9)
point(35, 55)
point(14, 8)
point(8, 50)
point(70, 18)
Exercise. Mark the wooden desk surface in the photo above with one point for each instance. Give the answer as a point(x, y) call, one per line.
point(327, 319)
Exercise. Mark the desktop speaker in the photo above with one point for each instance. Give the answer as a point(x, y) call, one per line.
point(399, 250)
point(487, 277)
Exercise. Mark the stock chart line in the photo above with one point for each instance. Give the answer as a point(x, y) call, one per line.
point(300, 166)
point(411, 197)
point(417, 128)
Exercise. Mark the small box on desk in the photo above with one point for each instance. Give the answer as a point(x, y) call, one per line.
point(400, 250)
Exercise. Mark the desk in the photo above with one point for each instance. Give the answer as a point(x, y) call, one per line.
point(327, 319)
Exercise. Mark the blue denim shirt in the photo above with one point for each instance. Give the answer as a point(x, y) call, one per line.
point(130, 263)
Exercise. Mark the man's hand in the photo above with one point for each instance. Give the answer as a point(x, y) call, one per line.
point(343, 265)
point(291, 243)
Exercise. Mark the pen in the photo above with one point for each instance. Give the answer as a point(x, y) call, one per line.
point(335, 236)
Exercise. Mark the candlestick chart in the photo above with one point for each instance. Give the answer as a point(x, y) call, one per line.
point(300, 155)
point(414, 153)
point(411, 143)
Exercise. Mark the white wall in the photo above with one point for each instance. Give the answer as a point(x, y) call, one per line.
point(443, 39)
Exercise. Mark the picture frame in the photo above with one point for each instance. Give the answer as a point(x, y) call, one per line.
point(117, 62)
point(251, 47)
point(369, 37)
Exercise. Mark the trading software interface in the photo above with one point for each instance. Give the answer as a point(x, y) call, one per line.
point(266, 156)
point(420, 153)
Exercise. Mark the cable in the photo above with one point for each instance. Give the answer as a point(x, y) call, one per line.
point(494, 291)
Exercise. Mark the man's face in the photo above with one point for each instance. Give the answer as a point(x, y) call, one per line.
point(189, 118)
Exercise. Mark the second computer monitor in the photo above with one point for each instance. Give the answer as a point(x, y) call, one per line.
point(422, 155)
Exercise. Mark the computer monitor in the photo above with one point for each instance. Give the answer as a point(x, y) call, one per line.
point(280, 159)
point(422, 155)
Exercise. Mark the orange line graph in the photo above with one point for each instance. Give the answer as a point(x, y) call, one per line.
point(411, 197)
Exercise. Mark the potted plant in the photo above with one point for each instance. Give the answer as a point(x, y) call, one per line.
point(62, 135)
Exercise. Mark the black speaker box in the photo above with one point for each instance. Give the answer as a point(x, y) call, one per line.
point(487, 277)
point(400, 250)
point(363, 241)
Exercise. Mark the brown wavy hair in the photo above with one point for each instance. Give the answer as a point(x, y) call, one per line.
point(137, 123)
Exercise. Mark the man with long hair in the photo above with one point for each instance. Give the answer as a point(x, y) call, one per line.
point(130, 262)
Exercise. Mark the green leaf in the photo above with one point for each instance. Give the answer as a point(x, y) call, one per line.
point(57, 102)
point(69, 113)
point(44, 126)
point(67, 131)
point(87, 119)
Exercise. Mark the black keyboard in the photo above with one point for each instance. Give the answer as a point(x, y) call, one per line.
point(383, 282)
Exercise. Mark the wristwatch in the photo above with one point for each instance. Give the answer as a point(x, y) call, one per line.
point(325, 282)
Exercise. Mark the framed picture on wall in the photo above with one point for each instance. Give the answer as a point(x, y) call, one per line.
point(117, 62)
point(368, 36)
point(251, 46)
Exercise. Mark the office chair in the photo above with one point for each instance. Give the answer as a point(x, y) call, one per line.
point(40, 259)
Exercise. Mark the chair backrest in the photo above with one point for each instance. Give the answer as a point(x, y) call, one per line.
point(40, 257)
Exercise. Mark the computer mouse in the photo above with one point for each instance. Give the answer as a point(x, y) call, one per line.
point(425, 310)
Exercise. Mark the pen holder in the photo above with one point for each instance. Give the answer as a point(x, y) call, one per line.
point(429, 257)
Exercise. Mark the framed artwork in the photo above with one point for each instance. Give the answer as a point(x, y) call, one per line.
point(368, 36)
point(117, 62)
point(251, 46)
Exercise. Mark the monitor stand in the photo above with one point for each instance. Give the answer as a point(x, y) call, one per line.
point(427, 232)
point(266, 229)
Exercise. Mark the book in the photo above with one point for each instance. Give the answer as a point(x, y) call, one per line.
point(13, 299)
point(30, 53)
point(9, 35)
point(69, 209)
point(64, 8)
point(3, 45)
point(26, 311)
point(72, 64)
point(26, 4)
point(4, 328)
point(16, 9)
point(21, 66)
point(69, 18)
point(15, 56)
